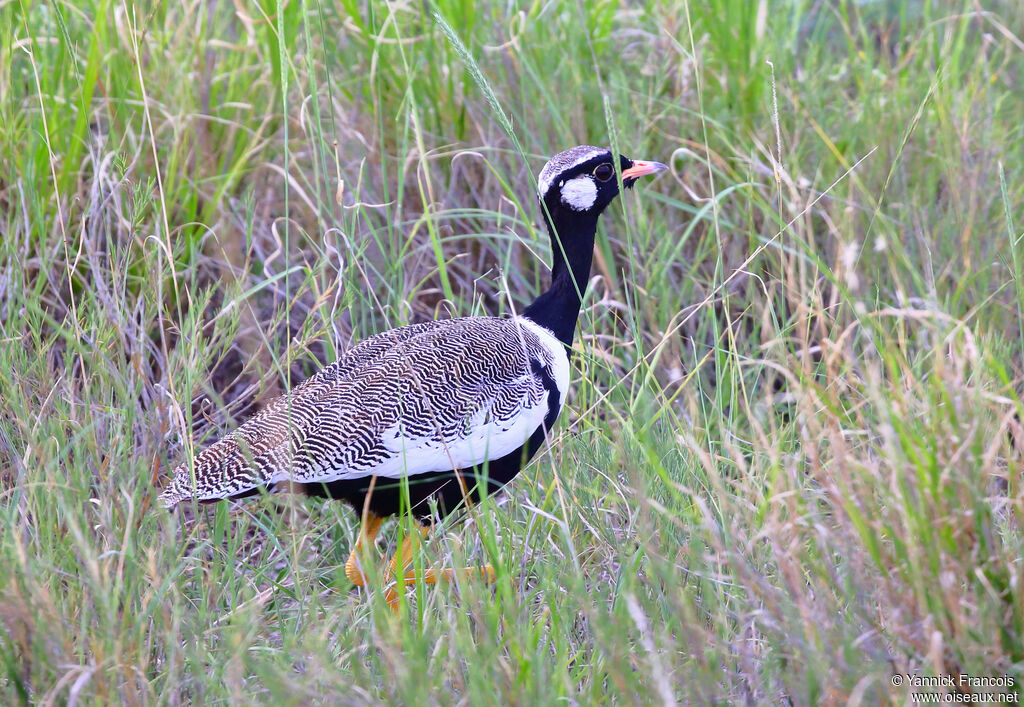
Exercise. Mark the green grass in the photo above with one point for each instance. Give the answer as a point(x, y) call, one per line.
point(790, 463)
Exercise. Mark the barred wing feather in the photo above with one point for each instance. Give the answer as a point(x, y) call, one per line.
point(436, 396)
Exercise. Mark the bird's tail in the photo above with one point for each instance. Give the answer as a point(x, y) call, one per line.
point(224, 470)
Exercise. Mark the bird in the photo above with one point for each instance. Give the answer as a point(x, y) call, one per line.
point(433, 415)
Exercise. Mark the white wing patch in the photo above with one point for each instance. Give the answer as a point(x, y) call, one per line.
point(579, 193)
point(485, 437)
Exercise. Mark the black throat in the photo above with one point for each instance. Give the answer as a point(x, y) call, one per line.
point(572, 246)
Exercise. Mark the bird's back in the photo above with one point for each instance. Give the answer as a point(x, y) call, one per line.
point(435, 396)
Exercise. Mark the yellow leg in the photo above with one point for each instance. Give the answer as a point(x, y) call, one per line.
point(367, 536)
point(399, 574)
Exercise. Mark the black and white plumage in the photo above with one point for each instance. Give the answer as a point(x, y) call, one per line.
point(419, 399)
point(439, 405)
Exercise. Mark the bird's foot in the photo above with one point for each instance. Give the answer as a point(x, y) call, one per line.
point(398, 575)
point(367, 537)
point(485, 573)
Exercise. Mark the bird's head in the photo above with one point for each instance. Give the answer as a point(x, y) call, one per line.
point(580, 182)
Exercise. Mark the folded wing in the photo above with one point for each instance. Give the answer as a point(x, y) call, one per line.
point(436, 396)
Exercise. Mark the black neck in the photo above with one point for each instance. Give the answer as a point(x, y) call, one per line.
point(559, 307)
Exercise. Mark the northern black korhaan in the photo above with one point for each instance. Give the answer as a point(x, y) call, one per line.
point(453, 407)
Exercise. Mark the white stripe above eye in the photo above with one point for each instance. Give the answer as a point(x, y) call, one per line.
point(563, 162)
point(579, 193)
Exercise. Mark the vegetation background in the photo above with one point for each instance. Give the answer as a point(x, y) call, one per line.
point(791, 464)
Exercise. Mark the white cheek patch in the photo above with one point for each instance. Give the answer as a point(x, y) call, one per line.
point(579, 193)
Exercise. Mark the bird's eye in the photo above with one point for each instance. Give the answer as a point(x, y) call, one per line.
point(604, 172)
